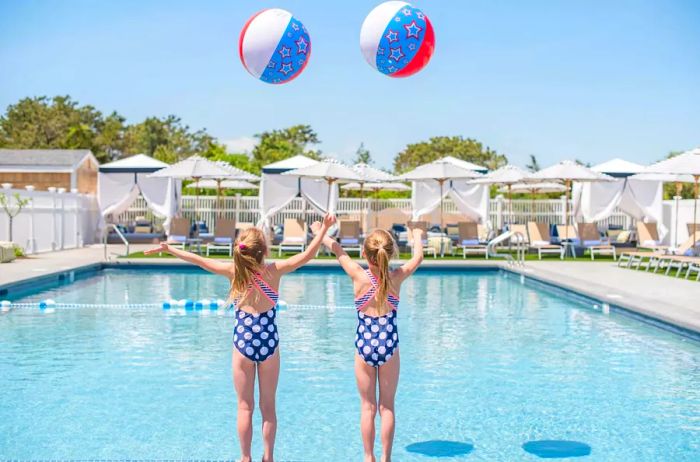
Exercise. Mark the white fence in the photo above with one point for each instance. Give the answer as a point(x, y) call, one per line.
point(245, 209)
point(53, 220)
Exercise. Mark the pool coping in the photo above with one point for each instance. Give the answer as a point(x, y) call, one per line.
point(631, 308)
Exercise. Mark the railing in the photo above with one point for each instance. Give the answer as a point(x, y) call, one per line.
point(512, 237)
point(245, 209)
point(121, 236)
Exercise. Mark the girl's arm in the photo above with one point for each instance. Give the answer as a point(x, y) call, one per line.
point(299, 260)
point(352, 268)
point(209, 264)
point(412, 265)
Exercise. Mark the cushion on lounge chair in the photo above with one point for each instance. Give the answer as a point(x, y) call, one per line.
point(223, 240)
point(294, 239)
point(349, 241)
point(623, 237)
point(470, 242)
point(540, 243)
point(177, 238)
point(593, 242)
point(650, 243)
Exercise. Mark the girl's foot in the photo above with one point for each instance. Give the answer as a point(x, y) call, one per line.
point(370, 458)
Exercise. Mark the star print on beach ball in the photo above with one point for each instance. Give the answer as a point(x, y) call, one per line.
point(397, 39)
point(274, 46)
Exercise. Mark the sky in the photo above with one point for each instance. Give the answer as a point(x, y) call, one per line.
point(591, 80)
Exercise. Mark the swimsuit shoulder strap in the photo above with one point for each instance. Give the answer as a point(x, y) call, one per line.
point(265, 288)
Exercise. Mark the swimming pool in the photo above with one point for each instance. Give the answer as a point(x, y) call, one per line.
point(487, 361)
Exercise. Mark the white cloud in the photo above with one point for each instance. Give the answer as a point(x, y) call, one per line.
point(244, 144)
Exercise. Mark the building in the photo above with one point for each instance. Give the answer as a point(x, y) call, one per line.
point(44, 168)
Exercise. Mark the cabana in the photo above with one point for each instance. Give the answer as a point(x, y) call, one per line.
point(121, 182)
point(277, 190)
point(639, 196)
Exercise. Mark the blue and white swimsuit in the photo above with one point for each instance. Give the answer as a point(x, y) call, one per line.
point(255, 335)
point(377, 336)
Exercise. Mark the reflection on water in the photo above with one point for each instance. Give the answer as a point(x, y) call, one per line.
point(485, 360)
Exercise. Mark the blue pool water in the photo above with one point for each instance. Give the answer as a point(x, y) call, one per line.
point(492, 370)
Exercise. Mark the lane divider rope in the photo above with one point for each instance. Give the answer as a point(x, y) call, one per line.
point(188, 305)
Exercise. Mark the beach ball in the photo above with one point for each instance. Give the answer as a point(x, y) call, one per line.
point(274, 46)
point(397, 39)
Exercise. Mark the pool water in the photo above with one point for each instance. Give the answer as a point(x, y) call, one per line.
point(490, 368)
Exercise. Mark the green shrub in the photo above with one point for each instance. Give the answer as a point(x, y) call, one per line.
point(19, 251)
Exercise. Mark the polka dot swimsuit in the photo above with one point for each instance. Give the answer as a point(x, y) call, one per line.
point(377, 336)
point(255, 335)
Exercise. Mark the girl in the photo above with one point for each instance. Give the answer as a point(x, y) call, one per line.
point(254, 293)
point(377, 338)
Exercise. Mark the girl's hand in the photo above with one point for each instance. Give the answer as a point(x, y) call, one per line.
point(163, 247)
point(328, 220)
point(316, 227)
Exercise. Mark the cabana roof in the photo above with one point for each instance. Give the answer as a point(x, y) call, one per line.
point(618, 168)
point(139, 163)
point(293, 163)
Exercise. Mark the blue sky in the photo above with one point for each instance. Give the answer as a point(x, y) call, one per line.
point(559, 79)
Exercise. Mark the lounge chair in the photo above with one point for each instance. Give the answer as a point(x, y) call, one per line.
point(682, 257)
point(349, 236)
point(387, 218)
point(179, 233)
point(294, 236)
point(541, 240)
point(648, 236)
point(693, 227)
point(590, 238)
point(422, 225)
point(224, 235)
point(142, 226)
point(7, 252)
point(469, 240)
point(694, 267)
point(656, 258)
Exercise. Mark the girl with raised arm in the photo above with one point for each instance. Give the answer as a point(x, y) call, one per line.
point(254, 295)
point(377, 336)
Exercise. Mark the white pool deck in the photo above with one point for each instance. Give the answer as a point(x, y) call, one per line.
point(672, 300)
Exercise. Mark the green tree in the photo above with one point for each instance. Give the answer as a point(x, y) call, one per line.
point(533, 166)
point(282, 144)
point(363, 156)
point(462, 148)
point(685, 189)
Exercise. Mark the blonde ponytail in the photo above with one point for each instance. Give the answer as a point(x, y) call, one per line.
point(248, 256)
point(379, 248)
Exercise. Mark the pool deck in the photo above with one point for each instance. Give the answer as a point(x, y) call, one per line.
point(672, 300)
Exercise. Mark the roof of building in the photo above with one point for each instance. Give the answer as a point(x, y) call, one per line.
point(43, 159)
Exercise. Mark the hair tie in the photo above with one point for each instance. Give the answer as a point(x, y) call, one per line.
point(242, 246)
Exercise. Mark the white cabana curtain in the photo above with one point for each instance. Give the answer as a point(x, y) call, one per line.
point(640, 199)
point(471, 200)
point(276, 191)
point(117, 191)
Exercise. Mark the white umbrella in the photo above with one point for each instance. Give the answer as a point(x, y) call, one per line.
point(368, 174)
point(507, 175)
point(440, 171)
point(619, 168)
point(329, 170)
point(196, 168)
point(568, 171)
point(225, 184)
point(534, 188)
point(687, 163)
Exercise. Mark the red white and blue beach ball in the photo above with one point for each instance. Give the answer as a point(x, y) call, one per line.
point(397, 39)
point(274, 46)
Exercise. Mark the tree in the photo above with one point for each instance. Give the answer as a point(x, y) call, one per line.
point(672, 189)
point(533, 166)
point(363, 156)
point(10, 211)
point(466, 149)
point(282, 144)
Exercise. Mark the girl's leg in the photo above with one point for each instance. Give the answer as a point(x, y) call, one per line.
point(244, 382)
point(366, 377)
point(388, 382)
point(268, 374)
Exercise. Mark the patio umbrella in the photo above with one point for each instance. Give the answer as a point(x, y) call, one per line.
point(369, 174)
point(195, 168)
point(534, 188)
point(225, 184)
point(568, 171)
point(507, 175)
point(329, 170)
point(440, 171)
point(687, 163)
point(375, 188)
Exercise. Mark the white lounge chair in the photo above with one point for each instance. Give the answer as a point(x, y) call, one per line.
point(179, 233)
point(294, 237)
point(541, 241)
point(590, 238)
point(349, 236)
point(468, 240)
point(422, 225)
point(224, 235)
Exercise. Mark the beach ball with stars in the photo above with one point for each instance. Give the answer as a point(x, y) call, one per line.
point(397, 39)
point(274, 46)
